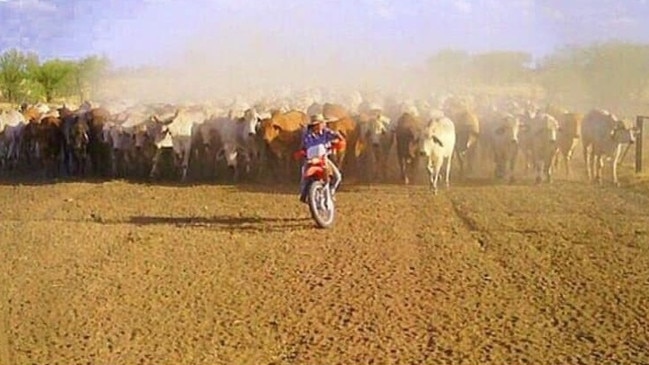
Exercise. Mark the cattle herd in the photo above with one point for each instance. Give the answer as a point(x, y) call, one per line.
point(241, 141)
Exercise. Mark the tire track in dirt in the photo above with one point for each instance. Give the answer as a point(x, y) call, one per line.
point(5, 349)
point(579, 257)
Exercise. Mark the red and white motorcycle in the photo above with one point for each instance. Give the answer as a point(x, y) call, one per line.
point(317, 183)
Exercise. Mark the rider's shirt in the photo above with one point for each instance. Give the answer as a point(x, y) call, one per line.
point(311, 139)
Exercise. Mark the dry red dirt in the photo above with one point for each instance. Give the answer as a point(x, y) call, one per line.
point(120, 273)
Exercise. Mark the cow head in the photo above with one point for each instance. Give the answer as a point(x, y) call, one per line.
point(376, 128)
point(107, 133)
point(141, 136)
point(508, 128)
point(251, 120)
point(269, 130)
point(166, 120)
point(230, 154)
point(429, 135)
point(546, 126)
point(623, 132)
point(79, 134)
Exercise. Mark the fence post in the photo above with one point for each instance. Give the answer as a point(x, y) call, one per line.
point(639, 123)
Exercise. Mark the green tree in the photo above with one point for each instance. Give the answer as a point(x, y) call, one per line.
point(447, 68)
point(55, 76)
point(89, 75)
point(561, 76)
point(610, 75)
point(16, 69)
point(616, 71)
point(501, 67)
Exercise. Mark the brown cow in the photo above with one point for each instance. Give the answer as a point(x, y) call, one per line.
point(501, 137)
point(49, 136)
point(342, 122)
point(98, 149)
point(282, 135)
point(467, 133)
point(407, 133)
point(538, 141)
point(334, 111)
point(374, 142)
point(568, 138)
point(33, 115)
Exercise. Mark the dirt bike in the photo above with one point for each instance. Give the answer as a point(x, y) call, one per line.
point(317, 189)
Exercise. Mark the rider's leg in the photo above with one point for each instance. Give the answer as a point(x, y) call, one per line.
point(302, 182)
point(338, 178)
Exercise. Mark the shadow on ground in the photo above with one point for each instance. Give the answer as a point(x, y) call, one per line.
point(234, 223)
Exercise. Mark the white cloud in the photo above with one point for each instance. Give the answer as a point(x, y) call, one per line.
point(30, 5)
point(622, 20)
point(463, 5)
point(382, 8)
point(554, 13)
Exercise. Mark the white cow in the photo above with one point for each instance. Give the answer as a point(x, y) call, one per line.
point(538, 141)
point(437, 143)
point(175, 131)
point(12, 124)
point(604, 135)
point(313, 109)
point(236, 139)
point(121, 135)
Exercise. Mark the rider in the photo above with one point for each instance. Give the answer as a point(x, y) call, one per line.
point(318, 133)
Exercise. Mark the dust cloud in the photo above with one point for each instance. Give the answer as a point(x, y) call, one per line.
point(257, 60)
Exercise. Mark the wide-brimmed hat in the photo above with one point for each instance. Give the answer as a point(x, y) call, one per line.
point(317, 119)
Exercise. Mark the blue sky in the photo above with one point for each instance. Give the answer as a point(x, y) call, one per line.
point(136, 32)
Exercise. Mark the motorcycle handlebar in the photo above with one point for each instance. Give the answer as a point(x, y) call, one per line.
point(337, 145)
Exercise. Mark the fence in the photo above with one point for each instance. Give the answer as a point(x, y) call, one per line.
point(641, 142)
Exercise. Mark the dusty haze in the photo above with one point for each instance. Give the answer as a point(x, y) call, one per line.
point(252, 62)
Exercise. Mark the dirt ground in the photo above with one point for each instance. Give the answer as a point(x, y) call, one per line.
point(483, 273)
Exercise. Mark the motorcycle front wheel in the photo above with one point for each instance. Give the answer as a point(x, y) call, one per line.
point(320, 204)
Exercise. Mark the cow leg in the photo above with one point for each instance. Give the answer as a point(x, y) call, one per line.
point(599, 166)
point(616, 161)
point(498, 162)
point(547, 169)
point(12, 154)
point(537, 163)
point(549, 166)
point(185, 162)
point(512, 163)
point(432, 175)
point(113, 162)
point(447, 177)
point(179, 164)
point(433, 167)
point(404, 173)
point(587, 161)
point(383, 163)
point(83, 160)
point(156, 161)
point(539, 168)
point(460, 161)
point(469, 157)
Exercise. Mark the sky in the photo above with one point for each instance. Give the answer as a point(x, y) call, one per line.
point(247, 40)
point(137, 32)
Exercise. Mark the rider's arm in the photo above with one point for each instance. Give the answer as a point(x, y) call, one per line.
point(333, 135)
